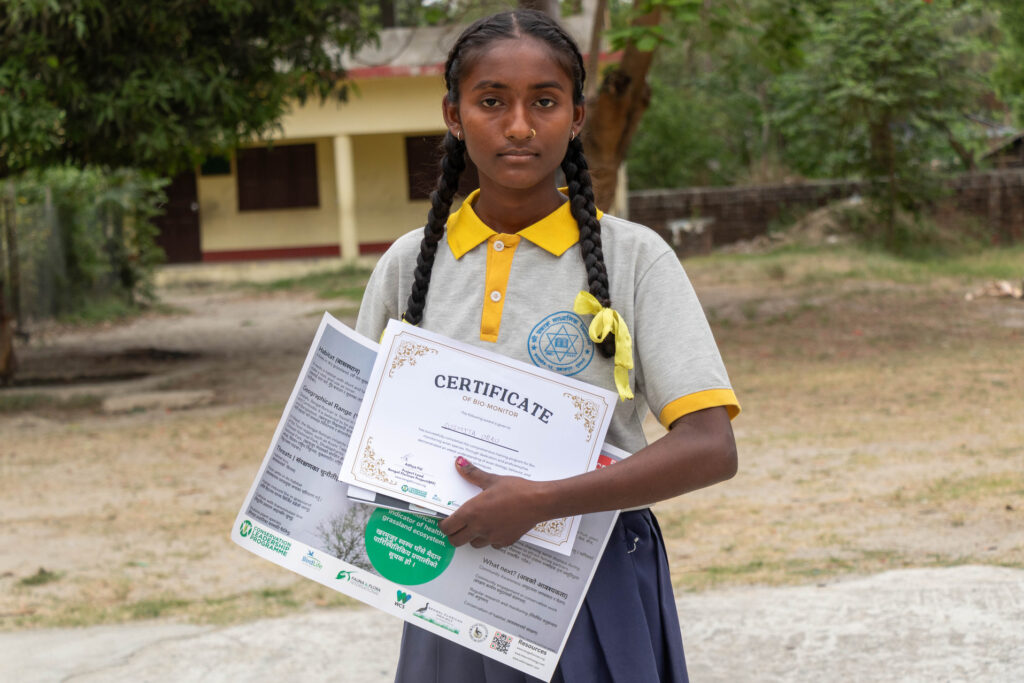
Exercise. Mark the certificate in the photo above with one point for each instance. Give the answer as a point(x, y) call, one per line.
point(516, 605)
point(430, 399)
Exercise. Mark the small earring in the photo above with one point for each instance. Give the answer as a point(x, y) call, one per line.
point(458, 136)
point(572, 135)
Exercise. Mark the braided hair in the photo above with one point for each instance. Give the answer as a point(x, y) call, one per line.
point(476, 37)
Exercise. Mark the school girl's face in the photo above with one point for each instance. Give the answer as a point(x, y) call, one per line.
point(510, 89)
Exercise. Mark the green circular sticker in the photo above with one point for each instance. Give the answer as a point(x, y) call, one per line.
point(405, 548)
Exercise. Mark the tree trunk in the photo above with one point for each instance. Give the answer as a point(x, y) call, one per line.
point(613, 115)
point(966, 155)
point(387, 13)
point(594, 50)
point(883, 166)
point(7, 361)
point(13, 269)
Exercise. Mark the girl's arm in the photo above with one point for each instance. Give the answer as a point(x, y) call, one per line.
point(699, 450)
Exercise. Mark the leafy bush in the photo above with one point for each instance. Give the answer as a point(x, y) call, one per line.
point(920, 236)
point(85, 236)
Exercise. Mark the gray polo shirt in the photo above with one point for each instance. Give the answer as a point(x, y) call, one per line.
point(514, 294)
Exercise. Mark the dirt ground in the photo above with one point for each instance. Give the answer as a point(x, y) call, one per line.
point(881, 429)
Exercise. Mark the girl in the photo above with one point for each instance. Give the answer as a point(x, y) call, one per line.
point(507, 271)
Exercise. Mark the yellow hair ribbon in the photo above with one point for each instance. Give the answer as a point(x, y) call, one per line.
point(608, 320)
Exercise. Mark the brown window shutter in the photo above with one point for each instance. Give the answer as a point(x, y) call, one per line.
point(278, 177)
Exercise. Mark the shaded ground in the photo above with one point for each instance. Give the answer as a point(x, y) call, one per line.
point(881, 429)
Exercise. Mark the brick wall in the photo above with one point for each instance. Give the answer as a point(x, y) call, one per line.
point(695, 219)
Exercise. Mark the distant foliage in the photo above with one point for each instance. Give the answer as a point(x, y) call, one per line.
point(85, 236)
point(1008, 74)
point(772, 90)
point(159, 85)
point(710, 116)
point(880, 80)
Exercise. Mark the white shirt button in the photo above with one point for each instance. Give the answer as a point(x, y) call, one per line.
point(499, 246)
point(495, 296)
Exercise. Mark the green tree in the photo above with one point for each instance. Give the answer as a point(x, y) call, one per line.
point(161, 84)
point(710, 115)
point(1008, 74)
point(881, 80)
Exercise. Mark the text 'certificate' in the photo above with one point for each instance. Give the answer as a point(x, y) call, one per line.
point(431, 399)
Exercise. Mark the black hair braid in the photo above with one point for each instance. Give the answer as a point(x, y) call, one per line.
point(581, 205)
point(452, 164)
point(476, 37)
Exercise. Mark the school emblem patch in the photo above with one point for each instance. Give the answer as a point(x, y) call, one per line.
point(560, 342)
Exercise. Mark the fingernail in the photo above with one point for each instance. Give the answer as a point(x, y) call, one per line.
point(461, 462)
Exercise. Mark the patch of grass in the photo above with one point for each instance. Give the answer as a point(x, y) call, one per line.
point(40, 578)
point(348, 282)
point(221, 610)
point(948, 488)
point(108, 308)
point(341, 313)
point(750, 309)
point(790, 571)
point(775, 271)
point(19, 403)
point(152, 609)
point(22, 403)
point(355, 292)
point(812, 265)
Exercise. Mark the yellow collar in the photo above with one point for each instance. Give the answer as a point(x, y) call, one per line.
point(554, 233)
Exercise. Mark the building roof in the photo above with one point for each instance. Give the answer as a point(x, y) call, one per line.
point(1004, 145)
point(422, 50)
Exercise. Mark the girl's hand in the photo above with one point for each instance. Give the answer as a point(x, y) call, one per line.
point(497, 516)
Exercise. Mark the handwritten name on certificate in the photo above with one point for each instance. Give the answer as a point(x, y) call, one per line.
point(431, 399)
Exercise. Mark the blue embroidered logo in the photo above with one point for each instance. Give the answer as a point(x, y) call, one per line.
point(560, 342)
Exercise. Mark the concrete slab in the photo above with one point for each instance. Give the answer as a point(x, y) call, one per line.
point(62, 654)
point(950, 624)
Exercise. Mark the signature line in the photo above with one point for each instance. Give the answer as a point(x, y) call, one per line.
point(449, 429)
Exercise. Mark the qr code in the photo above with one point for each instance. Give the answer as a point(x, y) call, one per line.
point(500, 642)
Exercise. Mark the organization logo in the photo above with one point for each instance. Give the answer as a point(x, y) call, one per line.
point(402, 598)
point(264, 538)
point(477, 633)
point(561, 343)
point(415, 491)
point(438, 617)
point(358, 582)
point(310, 558)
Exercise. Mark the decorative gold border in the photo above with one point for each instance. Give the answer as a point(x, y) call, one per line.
point(372, 466)
point(408, 352)
point(588, 408)
point(552, 527)
point(586, 412)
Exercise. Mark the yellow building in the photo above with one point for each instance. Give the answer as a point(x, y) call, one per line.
point(339, 178)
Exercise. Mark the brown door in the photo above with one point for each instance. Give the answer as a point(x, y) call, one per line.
point(179, 226)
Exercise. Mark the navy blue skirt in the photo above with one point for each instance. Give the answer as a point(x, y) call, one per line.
point(626, 631)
